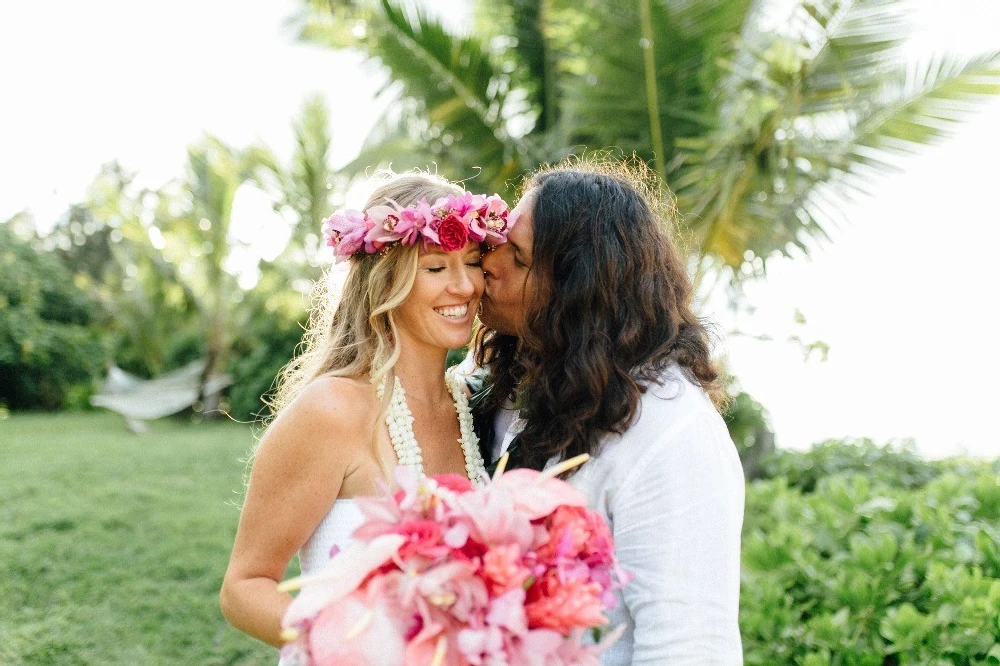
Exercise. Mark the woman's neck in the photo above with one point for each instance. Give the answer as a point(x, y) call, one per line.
point(422, 373)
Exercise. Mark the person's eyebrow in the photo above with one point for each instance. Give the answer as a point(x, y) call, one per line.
point(517, 248)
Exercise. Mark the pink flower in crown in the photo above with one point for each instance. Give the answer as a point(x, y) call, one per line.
point(474, 205)
point(460, 204)
point(345, 232)
point(414, 220)
point(493, 214)
point(453, 233)
point(466, 208)
point(388, 225)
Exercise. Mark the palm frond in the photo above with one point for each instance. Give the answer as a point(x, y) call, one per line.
point(454, 93)
point(604, 102)
point(923, 104)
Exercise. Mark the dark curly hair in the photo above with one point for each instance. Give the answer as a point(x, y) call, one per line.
point(612, 311)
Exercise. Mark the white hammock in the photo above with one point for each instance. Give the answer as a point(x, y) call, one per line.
point(140, 399)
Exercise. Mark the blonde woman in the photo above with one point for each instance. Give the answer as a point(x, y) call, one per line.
point(342, 418)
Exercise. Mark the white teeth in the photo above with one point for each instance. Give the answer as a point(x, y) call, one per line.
point(454, 311)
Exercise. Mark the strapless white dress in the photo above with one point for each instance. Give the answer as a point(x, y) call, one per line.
point(334, 531)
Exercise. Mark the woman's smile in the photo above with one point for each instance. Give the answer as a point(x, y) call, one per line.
point(455, 313)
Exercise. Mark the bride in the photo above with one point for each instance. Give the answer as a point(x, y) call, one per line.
point(341, 417)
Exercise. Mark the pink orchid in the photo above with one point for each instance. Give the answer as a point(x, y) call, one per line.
point(345, 232)
point(536, 496)
point(494, 517)
point(494, 220)
point(341, 576)
point(366, 627)
point(578, 652)
point(388, 225)
point(416, 218)
point(456, 587)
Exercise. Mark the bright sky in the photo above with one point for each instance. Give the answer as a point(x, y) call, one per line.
point(902, 294)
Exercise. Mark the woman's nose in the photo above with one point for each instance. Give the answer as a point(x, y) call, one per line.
point(463, 284)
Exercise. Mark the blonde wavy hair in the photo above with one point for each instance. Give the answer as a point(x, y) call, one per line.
point(355, 335)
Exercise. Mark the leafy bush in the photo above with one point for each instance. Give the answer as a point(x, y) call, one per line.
point(749, 426)
point(896, 466)
point(49, 357)
point(860, 555)
point(265, 343)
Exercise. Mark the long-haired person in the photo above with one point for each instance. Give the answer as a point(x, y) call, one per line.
point(592, 347)
point(411, 294)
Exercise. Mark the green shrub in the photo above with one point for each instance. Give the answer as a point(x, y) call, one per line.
point(49, 357)
point(885, 560)
point(264, 345)
point(897, 466)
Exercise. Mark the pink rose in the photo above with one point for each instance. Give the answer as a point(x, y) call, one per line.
point(452, 233)
point(503, 570)
point(563, 603)
point(423, 537)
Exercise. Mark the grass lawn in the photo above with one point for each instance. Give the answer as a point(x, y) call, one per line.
point(113, 545)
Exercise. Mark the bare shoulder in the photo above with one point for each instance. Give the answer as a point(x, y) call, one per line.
point(335, 401)
point(329, 415)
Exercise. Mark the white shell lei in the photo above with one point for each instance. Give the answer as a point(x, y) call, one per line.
point(399, 419)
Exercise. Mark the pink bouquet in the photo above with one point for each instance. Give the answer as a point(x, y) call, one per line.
point(517, 573)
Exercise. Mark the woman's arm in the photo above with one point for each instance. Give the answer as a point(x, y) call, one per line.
point(676, 521)
point(297, 474)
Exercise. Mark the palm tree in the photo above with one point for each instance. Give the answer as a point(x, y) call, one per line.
point(106, 241)
point(194, 217)
point(761, 119)
point(302, 190)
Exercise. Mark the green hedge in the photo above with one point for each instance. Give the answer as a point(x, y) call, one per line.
point(50, 356)
point(860, 555)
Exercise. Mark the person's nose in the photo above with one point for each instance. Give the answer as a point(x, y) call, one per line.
point(489, 263)
point(463, 285)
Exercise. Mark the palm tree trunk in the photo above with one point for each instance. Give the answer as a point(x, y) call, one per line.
point(652, 98)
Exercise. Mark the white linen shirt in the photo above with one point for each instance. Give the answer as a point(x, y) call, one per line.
point(672, 490)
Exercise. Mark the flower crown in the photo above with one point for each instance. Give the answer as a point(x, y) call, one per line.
point(449, 224)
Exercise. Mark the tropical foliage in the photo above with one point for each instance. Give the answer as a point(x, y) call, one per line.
point(165, 269)
point(861, 555)
point(761, 116)
point(49, 353)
